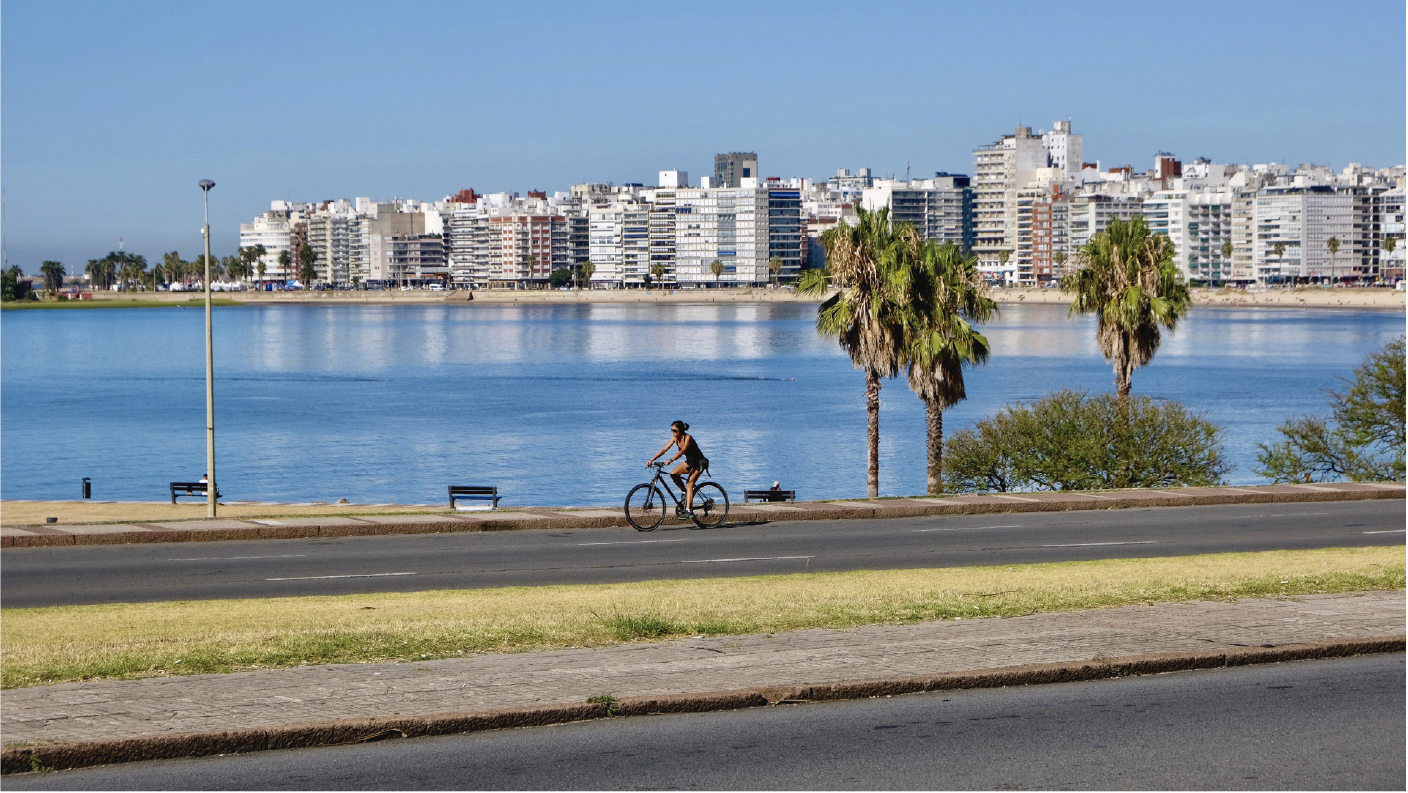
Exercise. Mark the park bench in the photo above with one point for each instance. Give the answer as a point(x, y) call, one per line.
point(769, 495)
point(191, 489)
point(461, 492)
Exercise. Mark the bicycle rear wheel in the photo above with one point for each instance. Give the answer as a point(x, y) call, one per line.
point(645, 507)
point(711, 505)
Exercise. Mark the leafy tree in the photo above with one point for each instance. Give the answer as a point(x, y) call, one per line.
point(561, 277)
point(1390, 244)
point(1226, 251)
point(717, 268)
point(11, 285)
point(1128, 280)
point(53, 273)
point(307, 259)
point(940, 340)
point(872, 265)
point(1362, 441)
point(1070, 441)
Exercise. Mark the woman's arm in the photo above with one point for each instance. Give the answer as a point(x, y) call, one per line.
point(663, 449)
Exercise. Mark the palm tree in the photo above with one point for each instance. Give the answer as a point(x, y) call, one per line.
point(774, 267)
point(172, 267)
point(1059, 257)
point(1226, 256)
point(285, 264)
point(871, 266)
point(53, 276)
point(1129, 281)
point(307, 257)
point(657, 270)
point(588, 270)
point(717, 268)
point(1280, 250)
point(1333, 244)
point(950, 296)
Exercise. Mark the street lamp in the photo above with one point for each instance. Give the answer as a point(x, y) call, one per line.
point(211, 489)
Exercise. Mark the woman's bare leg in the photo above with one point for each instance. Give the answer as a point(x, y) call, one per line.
point(689, 487)
point(677, 475)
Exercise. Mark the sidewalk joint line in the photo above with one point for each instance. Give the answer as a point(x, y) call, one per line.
point(746, 559)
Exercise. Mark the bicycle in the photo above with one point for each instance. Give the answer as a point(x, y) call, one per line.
point(645, 504)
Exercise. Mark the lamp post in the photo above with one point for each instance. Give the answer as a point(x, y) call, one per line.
point(211, 489)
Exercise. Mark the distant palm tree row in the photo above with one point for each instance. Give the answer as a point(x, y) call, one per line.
point(130, 271)
point(902, 303)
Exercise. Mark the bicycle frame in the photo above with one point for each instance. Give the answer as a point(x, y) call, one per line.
point(662, 480)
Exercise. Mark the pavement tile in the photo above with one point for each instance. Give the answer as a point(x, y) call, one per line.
point(274, 698)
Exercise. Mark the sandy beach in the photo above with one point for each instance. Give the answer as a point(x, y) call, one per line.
point(1305, 297)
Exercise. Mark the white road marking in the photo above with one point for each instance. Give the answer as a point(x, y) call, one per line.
point(970, 528)
point(628, 542)
point(746, 559)
point(358, 575)
point(1084, 544)
point(223, 558)
point(1387, 531)
point(1282, 515)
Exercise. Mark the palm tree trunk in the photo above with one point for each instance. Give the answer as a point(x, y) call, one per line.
point(872, 409)
point(934, 412)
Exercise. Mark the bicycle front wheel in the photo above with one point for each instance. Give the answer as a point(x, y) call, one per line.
point(710, 505)
point(645, 507)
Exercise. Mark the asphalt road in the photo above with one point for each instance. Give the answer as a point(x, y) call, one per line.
point(1309, 725)
point(281, 568)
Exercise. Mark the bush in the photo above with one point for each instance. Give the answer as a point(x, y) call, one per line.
point(1071, 441)
point(1363, 441)
point(561, 277)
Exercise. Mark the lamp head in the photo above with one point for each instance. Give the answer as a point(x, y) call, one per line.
point(206, 184)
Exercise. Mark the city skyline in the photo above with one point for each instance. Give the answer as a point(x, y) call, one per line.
point(105, 110)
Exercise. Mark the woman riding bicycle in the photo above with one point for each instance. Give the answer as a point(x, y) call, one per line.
point(694, 462)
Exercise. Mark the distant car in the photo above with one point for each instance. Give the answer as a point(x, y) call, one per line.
point(437, 288)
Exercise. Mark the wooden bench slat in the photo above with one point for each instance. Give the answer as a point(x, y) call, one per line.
point(769, 495)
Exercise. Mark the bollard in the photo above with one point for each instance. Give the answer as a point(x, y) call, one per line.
point(87, 487)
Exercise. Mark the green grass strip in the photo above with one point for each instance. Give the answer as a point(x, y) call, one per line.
point(57, 644)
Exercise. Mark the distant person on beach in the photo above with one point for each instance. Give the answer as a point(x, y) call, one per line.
point(694, 462)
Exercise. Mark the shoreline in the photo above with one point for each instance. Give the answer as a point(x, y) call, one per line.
point(1304, 297)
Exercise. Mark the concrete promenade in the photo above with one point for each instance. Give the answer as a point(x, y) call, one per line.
point(512, 518)
point(90, 723)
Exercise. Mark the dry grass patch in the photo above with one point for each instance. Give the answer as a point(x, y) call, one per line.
point(47, 645)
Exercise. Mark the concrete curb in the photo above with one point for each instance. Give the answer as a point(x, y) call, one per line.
point(557, 519)
point(20, 759)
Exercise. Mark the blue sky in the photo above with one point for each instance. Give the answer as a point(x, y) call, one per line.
point(110, 112)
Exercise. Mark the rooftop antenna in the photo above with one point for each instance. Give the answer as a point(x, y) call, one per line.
point(906, 170)
point(119, 244)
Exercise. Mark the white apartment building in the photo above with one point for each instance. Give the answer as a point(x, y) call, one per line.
point(1392, 227)
point(1020, 161)
point(727, 224)
point(1200, 227)
point(1303, 220)
point(940, 208)
point(1091, 214)
point(275, 230)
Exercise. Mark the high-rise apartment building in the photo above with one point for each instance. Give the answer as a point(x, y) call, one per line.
point(1016, 162)
point(785, 233)
point(728, 225)
point(939, 209)
point(1303, 220)
point(731, 169)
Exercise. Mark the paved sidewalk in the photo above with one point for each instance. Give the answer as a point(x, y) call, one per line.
point(372, 694)
point(581, 518)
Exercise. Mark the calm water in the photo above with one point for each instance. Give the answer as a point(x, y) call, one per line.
point(563, 404)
